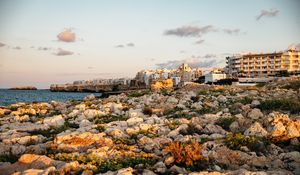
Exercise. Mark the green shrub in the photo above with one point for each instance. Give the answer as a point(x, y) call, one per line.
point(8, 158)
point(291, 105)
point(207, 110)
point(109, 118)
point(225, 122)
point(138, 93)
point(236, 141)
point(102, 165)
point(261, 84)
point(203, 92)
point(245, 100)
point(295, 85)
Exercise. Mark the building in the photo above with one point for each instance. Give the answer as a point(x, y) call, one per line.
point(258, 65)
point(214, 75)
point(183, 74)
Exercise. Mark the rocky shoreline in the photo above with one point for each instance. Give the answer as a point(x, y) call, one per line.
point(199, 129)
point(23, 88)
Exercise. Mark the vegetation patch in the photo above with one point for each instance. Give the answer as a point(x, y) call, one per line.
point(104, 165)
point(225, 122)
point(53, 131)
point(245, 100)
point(8, 158)
point(109, 118)
point(173, 124)
point(138, 93)
point(291, 105)
point(295, 85)
point(185, 153)
point(254, 143)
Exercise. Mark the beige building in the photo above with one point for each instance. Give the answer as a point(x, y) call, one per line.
point(255, 65)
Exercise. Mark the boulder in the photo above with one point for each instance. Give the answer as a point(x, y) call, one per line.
point(256, 130)
point(255, 114)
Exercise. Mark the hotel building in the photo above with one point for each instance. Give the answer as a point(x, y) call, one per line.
point(254, 65)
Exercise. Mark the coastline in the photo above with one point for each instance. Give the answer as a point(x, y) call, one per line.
point(228, 127)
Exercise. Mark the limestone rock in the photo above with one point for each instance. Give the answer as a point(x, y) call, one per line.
point(54, 121)
point(256, 130)
point(255, 114)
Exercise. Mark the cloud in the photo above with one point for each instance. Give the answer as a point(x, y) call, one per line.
point(190, 31)
point(192, 62)
point(67, 36)
point(130, 45)
point(119, 46)
point(44, 48)
point(232, 31)
point(296, 46)
point(90, 67)
point(200, 41)
point(17, 48)
point(62, 52)
point(2, 44)
point(267, 13)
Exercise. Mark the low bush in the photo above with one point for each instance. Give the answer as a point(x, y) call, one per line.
point(138, 93)
point(185, 153)
point(295, 85)
point(109, 118)
point(104, 165)
point(8, 158)
point(290, 105)
point(256, 144)
point(225, 122)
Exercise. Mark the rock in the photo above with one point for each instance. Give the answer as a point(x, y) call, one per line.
point(148, 172)
point(17, 149)
point(197, 105)
point(89, 97)
point(282, 128)
point(50, 170)
point(84, 123)
point(125, 171)
point(292, 156)
point(178, 170)
point(212, 129)
point(172, 100)
point(255, 103)
point(92, 113)
point(255, 114)
point(117, 133)
point(87, 172)
point(54, 121)
point(162, 85)
point(4, 111)
point(234, 127)
point(169, 160)
point(71, 142)
point(222, 99)
point(256, 130)
point(134, 120)
point(160, 167)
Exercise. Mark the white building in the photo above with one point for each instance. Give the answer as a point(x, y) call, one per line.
point(214, 77)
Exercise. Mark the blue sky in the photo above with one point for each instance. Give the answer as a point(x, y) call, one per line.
point(117, 38)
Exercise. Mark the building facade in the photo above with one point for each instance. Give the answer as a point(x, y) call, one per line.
point(183, 74)
point(253, 65)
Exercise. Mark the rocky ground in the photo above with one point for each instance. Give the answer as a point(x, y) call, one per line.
point(194, 130)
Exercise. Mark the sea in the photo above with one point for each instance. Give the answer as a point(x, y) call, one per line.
point(8, 97)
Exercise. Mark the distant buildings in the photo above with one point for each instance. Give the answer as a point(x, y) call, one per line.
point(254, 65)
point(183, 74)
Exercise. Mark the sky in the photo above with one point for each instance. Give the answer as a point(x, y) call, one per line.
point(59, 41)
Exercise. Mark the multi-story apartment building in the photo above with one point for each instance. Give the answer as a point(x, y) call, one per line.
point(255, 65)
